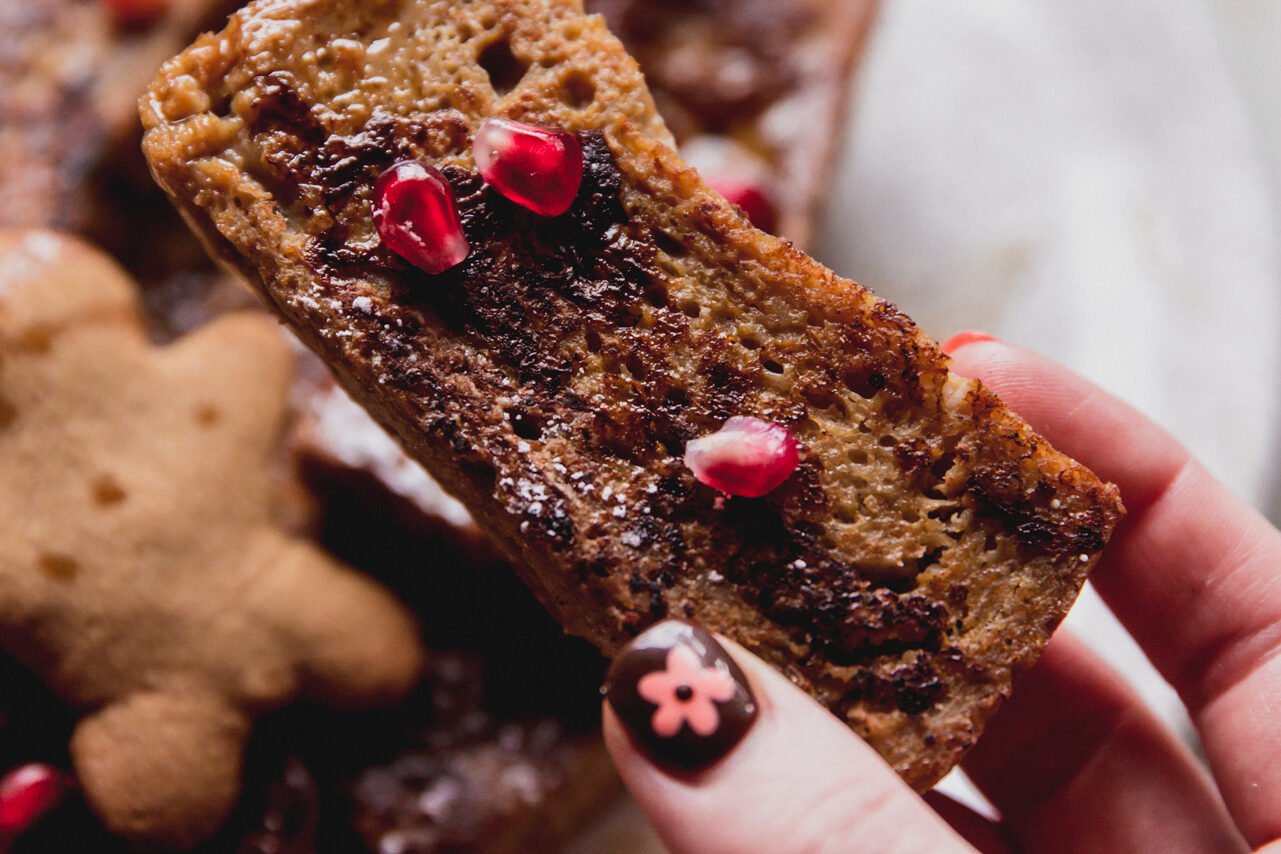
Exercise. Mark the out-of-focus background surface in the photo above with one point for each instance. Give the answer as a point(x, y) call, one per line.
point(1098, 180)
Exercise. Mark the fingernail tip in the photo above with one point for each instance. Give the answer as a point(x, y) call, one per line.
point(965, 338)
point(687, 748)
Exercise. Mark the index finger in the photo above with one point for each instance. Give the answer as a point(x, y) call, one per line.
point(1193, 572)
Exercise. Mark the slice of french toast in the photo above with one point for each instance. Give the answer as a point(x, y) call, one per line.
point(920, 554)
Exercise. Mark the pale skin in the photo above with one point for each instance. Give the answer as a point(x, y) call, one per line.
point(1074, 762)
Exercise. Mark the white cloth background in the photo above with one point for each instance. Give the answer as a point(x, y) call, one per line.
point(1097, 180)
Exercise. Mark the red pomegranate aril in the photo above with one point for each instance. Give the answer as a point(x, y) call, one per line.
point(27, 793)
point(537, 168)
point(749, 196)
point(137, 13)
point(417, 218)
point(747, 457)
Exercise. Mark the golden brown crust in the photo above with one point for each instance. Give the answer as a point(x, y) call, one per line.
point(924, 550)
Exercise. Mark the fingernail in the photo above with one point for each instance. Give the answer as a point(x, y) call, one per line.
point(961, 339)
point(680, 696)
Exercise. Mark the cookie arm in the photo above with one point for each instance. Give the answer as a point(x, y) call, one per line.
point(352, 642)
point(162, 768)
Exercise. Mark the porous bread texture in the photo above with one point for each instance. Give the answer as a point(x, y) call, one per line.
point(928, 543)
point(141, 575)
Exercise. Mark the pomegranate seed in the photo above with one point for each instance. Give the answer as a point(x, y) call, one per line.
point(734, 171)
point(137, 13)
point(747, 457)
point(27, 793)
point(749, 196)
point(537, 168)
point(417, 219)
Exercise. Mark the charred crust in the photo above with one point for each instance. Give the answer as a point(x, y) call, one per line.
point(828, 603)
point(278, 109)
point(913, 687)
point(652, 590)
point(1000, 488)
point(916, 458)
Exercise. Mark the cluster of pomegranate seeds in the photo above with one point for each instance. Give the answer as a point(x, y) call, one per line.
point(751, 197)
point(537, 168)
point(137, 13)
point(417, 218)
point(747, 457)
point(27, 793)
point(414, 208)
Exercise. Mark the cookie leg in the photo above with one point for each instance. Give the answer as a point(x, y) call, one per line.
point(353, 642)
point(163, 769)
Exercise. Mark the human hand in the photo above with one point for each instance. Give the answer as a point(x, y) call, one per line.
point(1074, 761)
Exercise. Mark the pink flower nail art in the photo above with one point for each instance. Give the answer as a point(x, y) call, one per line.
point(681, 697)
point(686, 692)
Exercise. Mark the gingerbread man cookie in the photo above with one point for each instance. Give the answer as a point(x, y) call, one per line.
point(141, 574)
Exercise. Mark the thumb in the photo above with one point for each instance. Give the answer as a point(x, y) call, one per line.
point(725, 755)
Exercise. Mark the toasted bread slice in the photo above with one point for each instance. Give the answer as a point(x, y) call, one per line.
point(926, 546)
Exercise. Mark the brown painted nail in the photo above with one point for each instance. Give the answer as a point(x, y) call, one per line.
point(680, 696)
